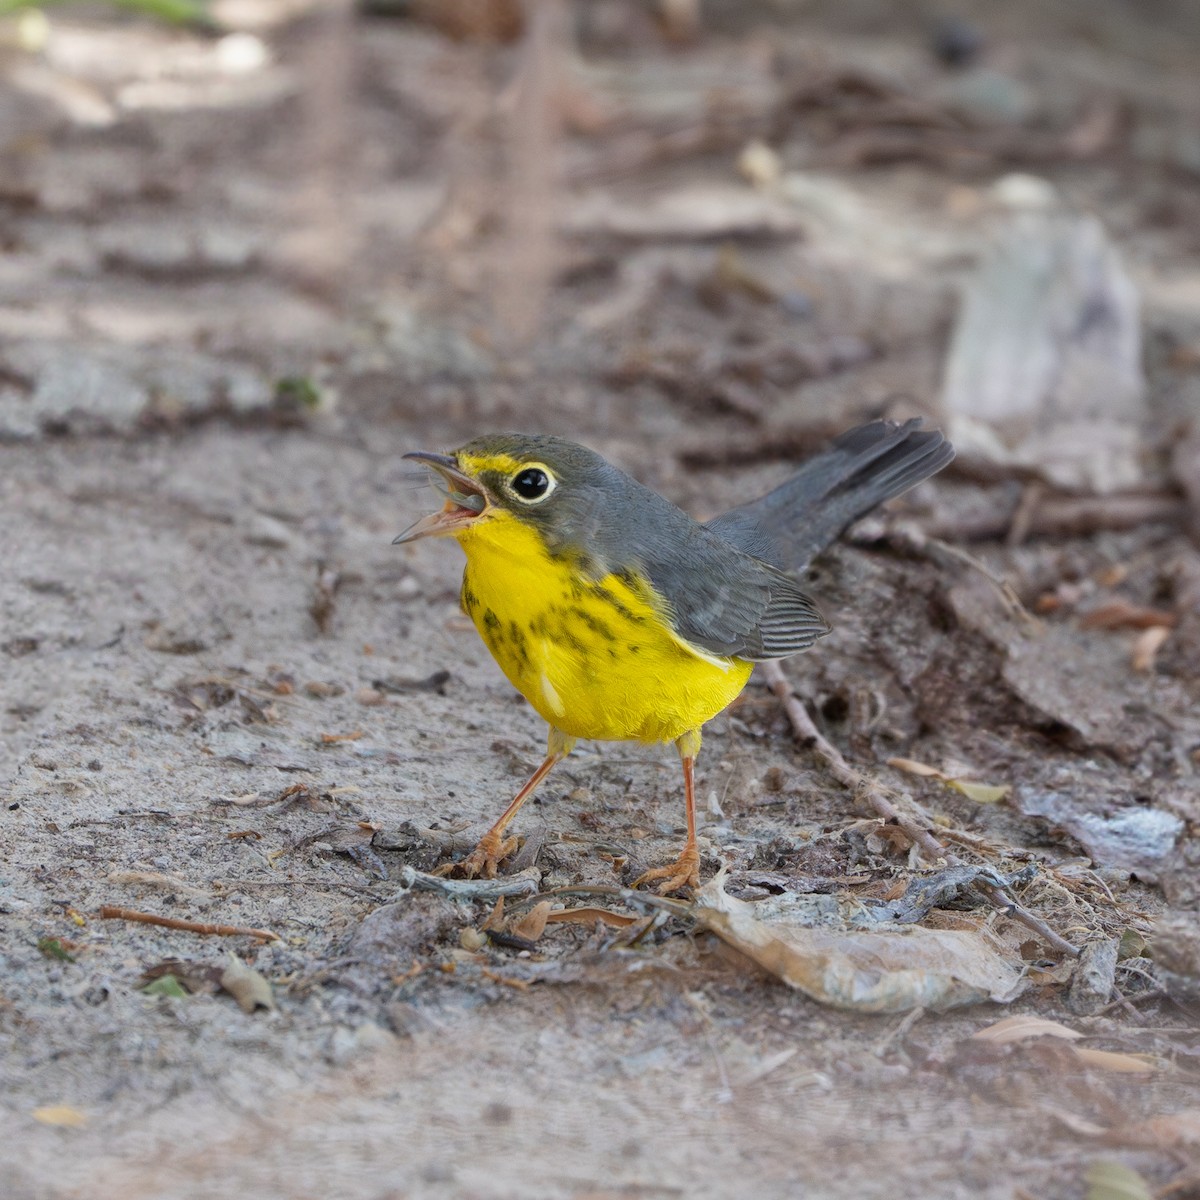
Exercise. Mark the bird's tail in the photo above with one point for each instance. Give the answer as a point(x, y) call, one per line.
point(861, 469)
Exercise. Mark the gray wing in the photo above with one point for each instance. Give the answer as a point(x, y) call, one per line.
point(861, 469)
point(732, 604)
point(719, 598)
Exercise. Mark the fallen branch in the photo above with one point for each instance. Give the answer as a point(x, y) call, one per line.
point(862, 786)
point(523, 884)
point(917, 542)
point(1062, 516)
point(111, 913)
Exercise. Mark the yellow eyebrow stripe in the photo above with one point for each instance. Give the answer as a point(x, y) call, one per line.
point(475, 464)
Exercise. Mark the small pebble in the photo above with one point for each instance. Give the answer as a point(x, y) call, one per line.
point(471, 939)
point(321, 690)
point(408, 588)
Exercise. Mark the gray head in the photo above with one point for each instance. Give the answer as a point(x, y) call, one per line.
point(579, 504)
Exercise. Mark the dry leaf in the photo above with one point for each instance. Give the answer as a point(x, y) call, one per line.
point(250, 989)
point(885, 970)
point(471, 940)
point(1112, 1060)
point(913, 767)
point(589, 916)
point(62, 1115)
point(1147, 646)
point(981, 793)
point(494, 919)
point(886, 837)
point(1077, 1124)
point(533, 924)
point(1115, 1181)
point(329, 739)
point(1020, 1029)
point(1120, 614)
point(759, 165)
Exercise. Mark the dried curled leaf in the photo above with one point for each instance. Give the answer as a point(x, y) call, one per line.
point(1147, 646)
point(533, 924)
point(589, 915)
point(981, 793)
point(1120, 614)
point(62, 1115)
point(912, 767)
point(250, 989)
point(1113, 1060)
point(1020, 1029)
point(865, 970)
point(1077, 1124)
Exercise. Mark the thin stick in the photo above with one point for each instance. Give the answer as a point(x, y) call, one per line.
point(110, 913)
point(917, 541)
point(1023, 516)
point(901, 1030)
point(1066, 516)
point(526, 883)
point(862, 785)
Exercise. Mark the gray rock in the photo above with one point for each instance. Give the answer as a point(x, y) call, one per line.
point(1044, 366)
point(49, 387)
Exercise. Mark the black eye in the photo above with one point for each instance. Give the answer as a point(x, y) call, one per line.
point(531, 484)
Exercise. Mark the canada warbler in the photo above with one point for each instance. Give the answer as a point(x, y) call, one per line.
point(616, 615)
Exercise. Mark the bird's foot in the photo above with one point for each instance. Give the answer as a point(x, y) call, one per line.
point(484, 859)
point(683, 873)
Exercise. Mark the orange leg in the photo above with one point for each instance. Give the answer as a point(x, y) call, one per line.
point(494, 847)
point(685, 871)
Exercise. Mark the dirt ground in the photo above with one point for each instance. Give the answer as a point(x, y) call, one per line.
point(241, 274)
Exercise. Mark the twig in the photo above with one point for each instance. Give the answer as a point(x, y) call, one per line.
point(1023, 516)
point(110, 913)
point(1065, 516)
point(862, 785)
point(900, 1031)
point(917, 542)
point(523, 884)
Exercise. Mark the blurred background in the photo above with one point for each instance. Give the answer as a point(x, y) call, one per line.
point(736, 225)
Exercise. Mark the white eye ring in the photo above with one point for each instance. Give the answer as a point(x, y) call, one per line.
point(533, 484)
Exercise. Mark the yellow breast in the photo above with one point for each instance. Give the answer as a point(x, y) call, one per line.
point(595, 659)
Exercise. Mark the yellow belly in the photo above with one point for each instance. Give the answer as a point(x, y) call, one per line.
point(596, 660)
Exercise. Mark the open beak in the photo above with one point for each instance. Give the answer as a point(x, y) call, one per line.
point(466, 500)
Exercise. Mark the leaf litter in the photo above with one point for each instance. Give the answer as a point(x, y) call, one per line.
point(865, 970)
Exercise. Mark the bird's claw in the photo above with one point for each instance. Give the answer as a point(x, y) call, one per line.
point(683, 873)
point(483, 860)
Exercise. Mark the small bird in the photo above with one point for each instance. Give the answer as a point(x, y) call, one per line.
point(619, 617)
